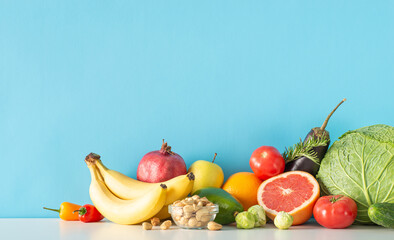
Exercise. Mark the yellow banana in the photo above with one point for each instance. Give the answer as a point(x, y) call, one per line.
point(125, 211)
point(128, 188)
point(163, 213)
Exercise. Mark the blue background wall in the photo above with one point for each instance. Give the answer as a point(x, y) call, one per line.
point(115, 77)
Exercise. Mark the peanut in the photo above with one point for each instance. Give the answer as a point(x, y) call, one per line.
point(188, 201)
point(166, 225)
point(146, 226)
point(201, 212)
point(177, 211)
point(196, 207)
point(195, 197)
point(188, 209)
point(183, 221)
point(188, 214)
point(214, 226)
point(178, 204)
point(199, 224)
point(155, 221)
point(205, 218)
point(192, 222)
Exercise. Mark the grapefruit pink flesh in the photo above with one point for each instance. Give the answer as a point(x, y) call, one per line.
point(293, 192)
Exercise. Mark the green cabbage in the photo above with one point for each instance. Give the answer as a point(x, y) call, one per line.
point(360, 165)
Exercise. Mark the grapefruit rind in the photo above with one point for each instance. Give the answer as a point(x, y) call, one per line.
point(301, 213)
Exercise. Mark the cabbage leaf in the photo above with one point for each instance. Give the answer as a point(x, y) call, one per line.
point(361, 166)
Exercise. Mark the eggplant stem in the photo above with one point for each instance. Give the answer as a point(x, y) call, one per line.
point(328, 117)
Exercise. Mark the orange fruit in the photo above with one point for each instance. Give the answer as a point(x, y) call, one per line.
point(294, 192)
point(243, 186)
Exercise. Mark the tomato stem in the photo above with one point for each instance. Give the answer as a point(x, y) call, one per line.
point(335, 198)
point(214, 157)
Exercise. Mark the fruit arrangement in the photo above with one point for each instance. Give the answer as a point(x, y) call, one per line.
point(354, 176)
point(128, 201)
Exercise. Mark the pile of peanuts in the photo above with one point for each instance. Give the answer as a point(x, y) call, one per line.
point(156, 222)
point(192, 212)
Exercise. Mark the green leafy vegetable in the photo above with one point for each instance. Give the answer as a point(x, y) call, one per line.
point(361, 165)
point(283, 220)
point(245, 220)
point(259, 215)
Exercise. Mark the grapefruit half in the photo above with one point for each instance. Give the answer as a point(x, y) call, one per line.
point(294, 192)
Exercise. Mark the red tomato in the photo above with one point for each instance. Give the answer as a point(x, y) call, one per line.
point(335, 211)
point(266, 162)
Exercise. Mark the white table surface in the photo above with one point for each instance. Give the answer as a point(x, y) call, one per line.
point(50, 228)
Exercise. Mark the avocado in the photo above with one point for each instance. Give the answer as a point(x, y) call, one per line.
point(228, 205)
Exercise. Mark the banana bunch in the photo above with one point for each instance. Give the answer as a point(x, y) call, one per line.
point(124, 200)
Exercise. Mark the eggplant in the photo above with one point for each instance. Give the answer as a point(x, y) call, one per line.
point(306, 156)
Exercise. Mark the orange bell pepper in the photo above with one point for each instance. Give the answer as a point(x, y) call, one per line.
point(67, 211)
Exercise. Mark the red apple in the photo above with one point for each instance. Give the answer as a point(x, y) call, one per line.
point(160, 165)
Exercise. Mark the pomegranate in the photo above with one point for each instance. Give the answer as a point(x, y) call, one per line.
point(160, 165)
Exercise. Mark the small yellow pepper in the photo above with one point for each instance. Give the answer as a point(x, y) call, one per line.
point(67, 211)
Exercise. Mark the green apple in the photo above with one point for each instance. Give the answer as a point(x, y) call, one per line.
point(207, 174)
